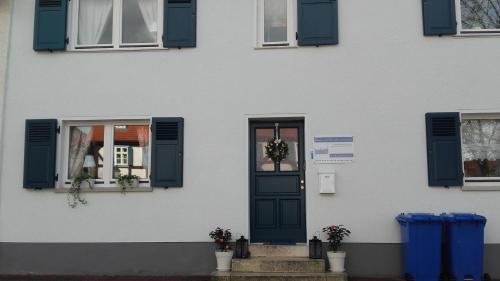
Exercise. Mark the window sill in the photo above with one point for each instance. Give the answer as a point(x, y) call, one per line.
point(276, 47)
point(100, 189)
point(481, 186)
point(477, 35)
point(98, 50)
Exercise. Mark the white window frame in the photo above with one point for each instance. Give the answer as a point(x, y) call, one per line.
point(117, 30)
point(123, 155)
point(107, 183)
point(291, 26)
point(478, 183)
point(462, 31)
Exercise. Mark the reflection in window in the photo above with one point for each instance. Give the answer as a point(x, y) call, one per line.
point(481, 148)
point(86, 151)
point(263, 162)
point(291, 137)
point(480, 14)
point(130, 145)
point(275, 20)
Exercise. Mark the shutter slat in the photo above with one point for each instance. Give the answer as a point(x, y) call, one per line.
point(50, 25)
point(444, 151)
point(439, 17)
point(317, 22)
point(40, 153)
point(179, 24)
point(167, 152)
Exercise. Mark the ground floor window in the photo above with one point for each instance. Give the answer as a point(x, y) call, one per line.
point(105, 150)
point(478, 16)
point(481, 148)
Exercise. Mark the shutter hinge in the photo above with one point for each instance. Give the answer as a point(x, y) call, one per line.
point(296, 36)
point(56, 177)
point(58, 129)
point(67, 40)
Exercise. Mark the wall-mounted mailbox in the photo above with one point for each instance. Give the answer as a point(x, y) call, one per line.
point(327, 183)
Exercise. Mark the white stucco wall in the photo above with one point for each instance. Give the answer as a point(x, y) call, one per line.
point(376, 85)
point(5, 17)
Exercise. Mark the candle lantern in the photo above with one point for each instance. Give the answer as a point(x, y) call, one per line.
point(315, 248)
point(242, 248)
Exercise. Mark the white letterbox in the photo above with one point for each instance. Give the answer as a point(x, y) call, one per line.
point(327, 183)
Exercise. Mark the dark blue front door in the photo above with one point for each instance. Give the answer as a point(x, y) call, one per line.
point(277, 189)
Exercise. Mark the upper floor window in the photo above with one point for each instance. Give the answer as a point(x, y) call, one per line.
point(117, 23)
point(276, 23)
point(478, 16)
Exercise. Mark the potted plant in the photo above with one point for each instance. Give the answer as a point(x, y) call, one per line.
point(79, 182)
point(127, 182)
point(335, 235)
point(224, 254)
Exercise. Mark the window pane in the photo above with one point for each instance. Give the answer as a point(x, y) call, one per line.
point(275, 20)
point(263, 162)
point(480, 14)
point(86, 151)
point(95, 22)
point(140, 21)
point(291, 137)
point(131, 150)
point(481, 148)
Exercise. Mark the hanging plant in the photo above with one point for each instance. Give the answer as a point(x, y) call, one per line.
point(276, 149)
point(73, 195)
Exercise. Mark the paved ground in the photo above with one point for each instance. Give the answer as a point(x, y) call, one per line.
point(142, 278)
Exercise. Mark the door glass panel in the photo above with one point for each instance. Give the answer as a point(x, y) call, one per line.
point(86, 151)
point(275, 21)
point(263, 163)
point(291, 137)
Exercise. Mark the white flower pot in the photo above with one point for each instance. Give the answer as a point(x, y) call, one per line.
point(224, 260)
point(133, 184)
point(87, 184)
point(337, 261)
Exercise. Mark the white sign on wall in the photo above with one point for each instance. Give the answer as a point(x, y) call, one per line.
point(333, 149)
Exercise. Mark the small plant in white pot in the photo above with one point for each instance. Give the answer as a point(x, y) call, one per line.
point(127, 182)
point(335, 235)
point(224, 254)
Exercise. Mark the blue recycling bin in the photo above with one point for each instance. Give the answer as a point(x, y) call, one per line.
point(464, 247)
point(421, 235)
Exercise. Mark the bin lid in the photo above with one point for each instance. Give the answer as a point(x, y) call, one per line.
point(412, 217)
point(455, 217)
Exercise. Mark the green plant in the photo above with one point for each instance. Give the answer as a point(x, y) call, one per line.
point(125, 181)
point(335, 235)
point(221, 237)
point(73, 196)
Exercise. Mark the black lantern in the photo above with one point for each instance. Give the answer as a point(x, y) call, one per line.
point(315, 248)
point(242, 248)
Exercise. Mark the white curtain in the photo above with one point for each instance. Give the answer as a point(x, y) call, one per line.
point(143, 137)
point(149, 11)
point(80, 140)
point(92, 18)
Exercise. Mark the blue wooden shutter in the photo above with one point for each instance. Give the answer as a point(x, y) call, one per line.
point(50, 25)
point(179, 28)
point(444, 150)
point(439, 17)
point(317, 22)
point(40, 153)
point(167, 152)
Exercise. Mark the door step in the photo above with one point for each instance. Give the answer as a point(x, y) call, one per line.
point(258, 250)
point(279, 264)
point(251, 276)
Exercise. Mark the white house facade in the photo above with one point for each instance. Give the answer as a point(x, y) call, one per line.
point(5, 12)
point(385, 106)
